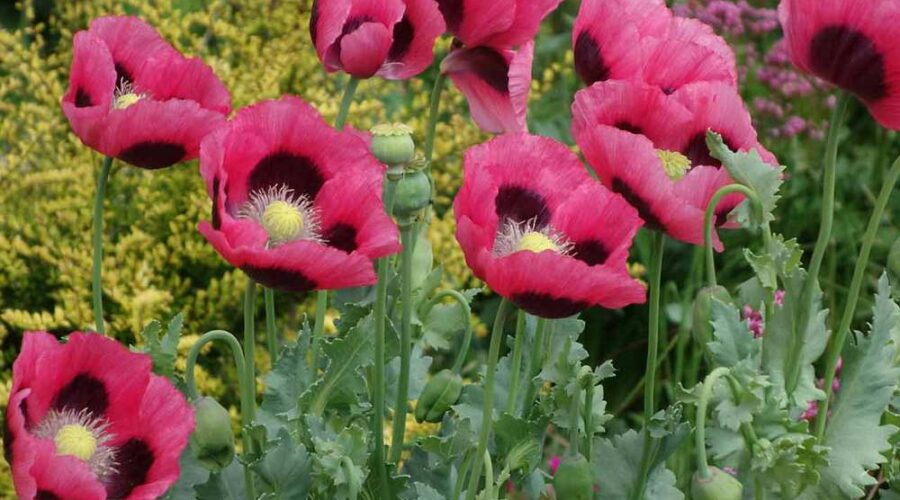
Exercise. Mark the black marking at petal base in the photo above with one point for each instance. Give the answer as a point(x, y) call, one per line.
point(46, 495)
point(849, 59)
point(216, 217)
point(153, 154)
point(286, 280)
point(404, 33)
point(591, 252)
point(518, 204)
point(133, 462)
point(341, 236)
point(83, 392)
point(83, 99)
point(698, 151)
point(629, 127)
point(547, 306)
point(490, 67)
point(297, 172)
point(123, 76)
point(452, 10)
point(589, 63)
point(641, 205)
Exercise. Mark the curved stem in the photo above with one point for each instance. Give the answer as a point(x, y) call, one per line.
point(467, 317)
point(96, 282)
point(346, 101)
point(400, 406)
point(271, 332)
point(433, 112)
point(244, 389)
point(827, 216)
point(535, 362)
point(516, 367)
point(488, 476)
point(487, 418)
point(700, 431)
point(319, 328)
point(709, 219)
point(659, 244)
point(859, 273)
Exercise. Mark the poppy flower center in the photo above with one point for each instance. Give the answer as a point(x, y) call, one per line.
point(675, 164)
point(125, 96)
point(517, 237)
point(79, 434)
point(536, 242)
point(75, 440)
point(285, 216)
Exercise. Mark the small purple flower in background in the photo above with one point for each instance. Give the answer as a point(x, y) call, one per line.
point(779, 298)
point(554, 463)
point(754, 321)
point(811, 411)
point(730, 470)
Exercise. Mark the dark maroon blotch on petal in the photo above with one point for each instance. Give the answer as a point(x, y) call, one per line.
point(314, 21)
point(404, 33)
point(452, 10)
point(490, 66)
point(629, 127)
point(589, 62)
point(153, 154)
point(46, 495)
point(83, 99)
point(519, 205)
point(342, 237)
point(286, 280)
point(216, 218)
point(849, 59)
point(698, 151)
point(591, 252)
point(123, 76)
point(547, 306)
point(641, 205)
point(133, 462)
point(296, 172)
point(84, 392)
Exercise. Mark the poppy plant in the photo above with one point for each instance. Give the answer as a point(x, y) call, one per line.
point(541, 232)
point(851, 44)
point(88, 420)
point(133, 97)
point(500, 23)
point(393, 39)
point(296, 204)
point(651, 148)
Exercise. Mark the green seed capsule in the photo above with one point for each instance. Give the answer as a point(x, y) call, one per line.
point(702, 313)
point(719, 486)
point(412, 193)
point(574, 479)
point(442, 392)
point(393, 144)
point(212, 440)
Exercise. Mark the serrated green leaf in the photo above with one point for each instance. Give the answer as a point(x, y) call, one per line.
point(418, 375)
point(340, 459)
point(443, 324)
point(617, 465)
point(732, 341)
point(780, 258)
point(163, 348)
point(285, 469)
point(192, 474)
point(225, 485)
point(425, 492)
point(284, 385)
point(519, 441)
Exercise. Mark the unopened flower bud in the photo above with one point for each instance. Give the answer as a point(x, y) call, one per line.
point(393, 144)
point(702, 313)
point(720, 485)
point(212, 440)
point(441, 392)
point(574, 479)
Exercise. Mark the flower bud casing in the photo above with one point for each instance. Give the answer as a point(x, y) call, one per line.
point(719, 486)
point(441, 392)
point(574, 479)
point(212, 440)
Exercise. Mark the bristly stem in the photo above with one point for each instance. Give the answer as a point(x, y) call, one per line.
point(487, 419)
point(535, 360)
point(656, 257)
point(248, 408)
point(96, 282)
point(433, 113)
point(271, 331)
point(466, 310)
point(859, 273)
point(346, 101)
point(710, 218)
point(400, 407)
point(700, 431)
point(516, 367)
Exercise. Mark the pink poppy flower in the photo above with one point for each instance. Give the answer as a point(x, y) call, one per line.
point(534, 226)
point(650, 147)
point(497, 23)
point(296, 204)
point(88, 420)
point(495, 82)
point(393, 39)
point(134, 97)
point(852, 44)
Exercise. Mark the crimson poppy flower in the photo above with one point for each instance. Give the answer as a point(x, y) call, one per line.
point(852, 44)
point(534, 226)
point(651, 148)
point(393, 39)
point(495, 82)
point(499, 23)
point(296, 204)
point(87, 420)
point(134, 97)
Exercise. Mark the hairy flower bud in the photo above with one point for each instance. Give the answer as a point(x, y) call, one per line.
point(720, 485)
point(393, 144)
point(574, 479)
point(702, 314)
point(212, 440)
point(439, 395)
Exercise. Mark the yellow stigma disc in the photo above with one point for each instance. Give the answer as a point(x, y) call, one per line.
point(282, 221)
point(125, 100)
point(675, 164)
point(75, 440)
point(536, 242)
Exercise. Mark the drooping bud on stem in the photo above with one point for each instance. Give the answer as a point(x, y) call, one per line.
point(574, 479)
point(720, 485)
point(212, 440)
point(441, 392)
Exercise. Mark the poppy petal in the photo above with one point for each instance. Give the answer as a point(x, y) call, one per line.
point(190, 79)
point(91, 83)
point(412, 46)
point(525, 25)
point(131, 42)
point(474, 21)
point(346, 227)
point(365, 50)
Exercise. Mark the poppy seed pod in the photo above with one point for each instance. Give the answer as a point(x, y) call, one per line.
point(412, 193)
point(574, 479)
point(719, 486)
point(701, 325)
point(393, 144)
point(212, 440)
point(442, 392)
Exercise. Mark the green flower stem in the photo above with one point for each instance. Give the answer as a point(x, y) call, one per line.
point(827, 217)
point(97, 283)
point(250, 346)
point(407, 235)
point(516, 367)
point(487, 419)
point(467, 319)
point(700, 431)
point(695, 276)
point(433, 113)
point(245, 391)
point(463, 471)
point(271, 332)
point(346, 101)
point(632, 395)
point(575, 418)
point(589, 418)
point(708, 224)
point(535, 362)
point(859, 273)
point(319, 328)
point(658, 248)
